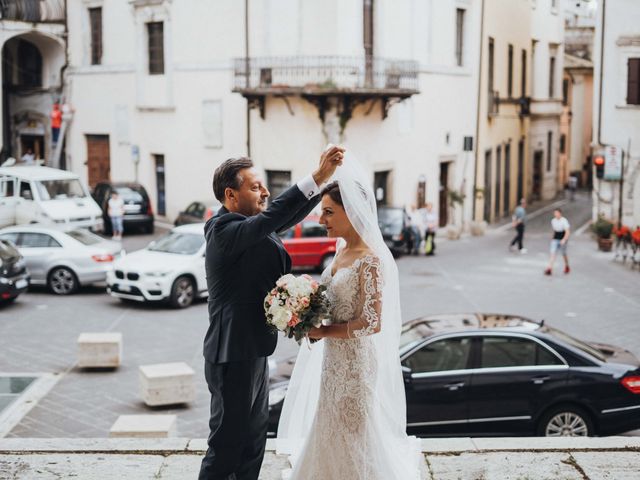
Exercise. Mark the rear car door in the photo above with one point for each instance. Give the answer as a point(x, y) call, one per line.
point(437, 380)
point(38, 250)
point(517, 376)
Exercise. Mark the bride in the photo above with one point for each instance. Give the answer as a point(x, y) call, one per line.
point(344, 415)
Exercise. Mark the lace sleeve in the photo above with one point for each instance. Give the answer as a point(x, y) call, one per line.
point(369, 298)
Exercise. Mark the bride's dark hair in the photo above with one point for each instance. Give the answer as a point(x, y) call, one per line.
point(333, 190)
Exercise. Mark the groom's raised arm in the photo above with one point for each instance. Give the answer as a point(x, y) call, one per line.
point(234, 232)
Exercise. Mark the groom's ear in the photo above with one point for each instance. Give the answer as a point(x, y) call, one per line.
point(229, 194)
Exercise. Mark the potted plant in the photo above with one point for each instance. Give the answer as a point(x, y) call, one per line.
point(603, 229)
point(454, 231)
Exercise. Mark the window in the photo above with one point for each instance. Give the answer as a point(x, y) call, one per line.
point(196, 209)
point(523, 74)
point(313, 229)
point(520, 173)
point(459, 36)
point(549, 145)
point(486, 195)
point(510, 72)
point(563, 143)
point(441, 355)
point(507, 178)
point(95, 20)
point(11, 237)
point(278, 181)
point(491, 47)
point(565, 91)
point(37, 240)
point(25, 191)
point(552, 76)
point(500, 352)
point(633, 81)
point(155, 36)
point(6, 187)
point(29, 65)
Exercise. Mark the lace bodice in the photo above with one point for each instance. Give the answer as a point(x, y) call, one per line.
point(355, 293)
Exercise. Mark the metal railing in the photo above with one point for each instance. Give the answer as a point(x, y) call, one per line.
point(325, 73)
point(32, 10)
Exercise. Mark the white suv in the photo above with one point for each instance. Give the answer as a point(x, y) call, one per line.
point(169, 269)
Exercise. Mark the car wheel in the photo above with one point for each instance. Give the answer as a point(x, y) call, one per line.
point(183, 292)
point(326, 262)
point(565, 421)
point(62, 281)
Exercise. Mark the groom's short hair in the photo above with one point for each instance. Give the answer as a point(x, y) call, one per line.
point(227, 175)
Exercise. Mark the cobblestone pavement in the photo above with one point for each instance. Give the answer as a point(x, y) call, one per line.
point(598, 300)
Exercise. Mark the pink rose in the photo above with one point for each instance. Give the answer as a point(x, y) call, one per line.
point(294, 321)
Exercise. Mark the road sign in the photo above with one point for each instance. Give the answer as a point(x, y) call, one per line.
point(613, 163)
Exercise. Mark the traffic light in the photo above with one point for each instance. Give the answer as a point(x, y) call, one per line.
point(599, 163)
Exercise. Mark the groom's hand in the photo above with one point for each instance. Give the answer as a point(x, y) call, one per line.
point(329, 161)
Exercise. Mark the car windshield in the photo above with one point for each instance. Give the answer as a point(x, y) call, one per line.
point(85, 237)
point(177, 242)
point(390, 217)
point(574, 342)
point(129, 195)
point(55, 189)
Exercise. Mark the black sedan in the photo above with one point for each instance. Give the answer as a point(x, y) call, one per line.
point(394, 224)
point(501, 375)
point(197, 212)
point(14, 277)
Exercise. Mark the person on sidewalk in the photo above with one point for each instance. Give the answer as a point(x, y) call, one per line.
point(561, 231)
point(431, 222)
point(116, 215)
point(417, 229)
point(518, 222)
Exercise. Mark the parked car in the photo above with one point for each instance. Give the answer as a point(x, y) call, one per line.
point(14, 277)
point(308, 245)
point(394, 224)
point(138, 212)
point(486, 375)
point(63, 260)
point(197, 212)
point(170, 269)
point(36, 194)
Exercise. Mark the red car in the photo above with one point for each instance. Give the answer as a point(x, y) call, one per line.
point(308, 245)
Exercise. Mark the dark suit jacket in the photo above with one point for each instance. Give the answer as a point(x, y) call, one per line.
point(244, 258)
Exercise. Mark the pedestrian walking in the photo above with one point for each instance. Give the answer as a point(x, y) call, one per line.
point(417, 229)
point(572, 185)
point(561, 232)
point(116, 215)
point(518, 220)
point(431, 226)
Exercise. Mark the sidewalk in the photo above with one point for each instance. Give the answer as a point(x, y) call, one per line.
point(615, 458)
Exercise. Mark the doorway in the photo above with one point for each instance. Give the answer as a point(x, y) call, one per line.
point(536, 188)
point(35, 143)
point(444, 194)
point(381, 187)
point(161, 206)
point(98, 159)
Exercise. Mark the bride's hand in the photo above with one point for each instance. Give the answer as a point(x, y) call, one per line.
point(316, 333)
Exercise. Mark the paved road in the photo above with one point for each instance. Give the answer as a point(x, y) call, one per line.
point(598, 300)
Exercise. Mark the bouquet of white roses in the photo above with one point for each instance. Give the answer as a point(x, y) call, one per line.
point(295, 305)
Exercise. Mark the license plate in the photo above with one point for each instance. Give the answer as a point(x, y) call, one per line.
point(124, 288)
point(21, 283)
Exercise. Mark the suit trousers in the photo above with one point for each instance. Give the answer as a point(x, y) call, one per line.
point(238, 421)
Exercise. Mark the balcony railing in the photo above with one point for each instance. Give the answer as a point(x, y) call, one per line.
point(331, 74)
point(494, 103)
point(32, 11)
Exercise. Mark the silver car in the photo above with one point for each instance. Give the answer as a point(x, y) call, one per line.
point(63, 260)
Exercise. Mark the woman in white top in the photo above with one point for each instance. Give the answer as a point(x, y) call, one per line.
point(561, 231)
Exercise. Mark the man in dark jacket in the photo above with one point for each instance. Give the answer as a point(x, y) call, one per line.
point(244, 259)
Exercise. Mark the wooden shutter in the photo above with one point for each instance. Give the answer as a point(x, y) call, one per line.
point(633, 82)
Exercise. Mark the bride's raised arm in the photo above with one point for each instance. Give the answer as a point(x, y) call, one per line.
point(367, 319)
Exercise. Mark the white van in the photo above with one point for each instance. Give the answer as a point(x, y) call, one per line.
point(36, 194)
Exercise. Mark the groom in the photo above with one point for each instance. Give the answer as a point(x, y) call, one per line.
point(244, 258)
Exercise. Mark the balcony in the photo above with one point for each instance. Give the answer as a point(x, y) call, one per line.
point(350, 80)
point(523, 104)
point(33, 11)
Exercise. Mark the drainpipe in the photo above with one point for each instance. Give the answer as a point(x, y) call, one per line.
point(57, 153)
point(475, 170)
point(246, 69)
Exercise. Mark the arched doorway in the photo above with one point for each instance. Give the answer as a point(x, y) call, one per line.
point(31, 83)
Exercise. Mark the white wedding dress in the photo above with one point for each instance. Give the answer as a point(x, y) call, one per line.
point(345, 442)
